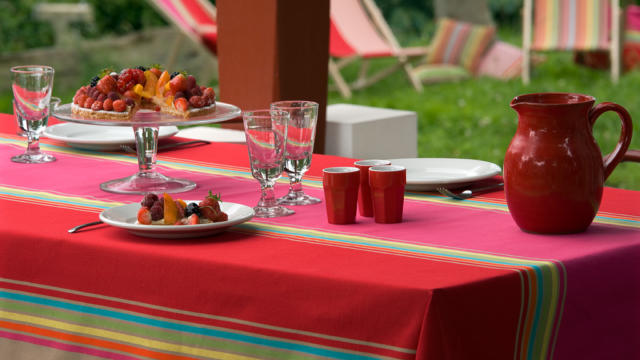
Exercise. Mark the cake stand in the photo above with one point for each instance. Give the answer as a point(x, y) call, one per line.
point(145, 124)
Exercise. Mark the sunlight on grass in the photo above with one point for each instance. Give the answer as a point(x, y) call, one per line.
point(472, 118)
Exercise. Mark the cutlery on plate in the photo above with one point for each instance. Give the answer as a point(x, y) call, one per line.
point(132, 150)
point(76, 228)
point(465, 194)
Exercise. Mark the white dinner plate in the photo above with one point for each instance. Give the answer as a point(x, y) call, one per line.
point(97, 137)
point(428, 173)
point(125, 217)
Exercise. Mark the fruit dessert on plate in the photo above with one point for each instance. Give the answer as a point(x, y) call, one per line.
point(164, 210)
point(118, 96)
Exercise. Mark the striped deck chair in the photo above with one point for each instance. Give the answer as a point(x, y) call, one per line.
point(571, 25)
point(196, 19)
point(358, 31)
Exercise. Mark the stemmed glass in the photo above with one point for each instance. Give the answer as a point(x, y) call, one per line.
point(32, 85)
point(303, 116)
point(266, 133)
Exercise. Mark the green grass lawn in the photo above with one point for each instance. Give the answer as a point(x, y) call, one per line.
point(472, 118)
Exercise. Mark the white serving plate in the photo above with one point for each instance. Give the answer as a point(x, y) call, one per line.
point(125, 217)
point(97, 137)
point(425, 174)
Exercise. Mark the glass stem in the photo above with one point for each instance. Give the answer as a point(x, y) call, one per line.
point(268, 197)
point(146, 145)
point(295, 182)
point(33, 142)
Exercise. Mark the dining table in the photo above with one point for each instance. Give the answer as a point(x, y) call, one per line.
point(456, 279)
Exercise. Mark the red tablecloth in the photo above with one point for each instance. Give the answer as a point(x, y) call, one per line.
point(455, 280)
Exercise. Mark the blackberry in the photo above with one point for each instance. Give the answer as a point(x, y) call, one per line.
point(192, 208)
point(174, 74)
point(94, 81)
point(141, 68)
point(148, 200)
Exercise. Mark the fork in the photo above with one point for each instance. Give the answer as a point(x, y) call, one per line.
point(465, 194)
point(132, 150)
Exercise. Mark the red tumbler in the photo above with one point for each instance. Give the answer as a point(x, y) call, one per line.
point(341, 193)
point(365, 206)
point(387, 192)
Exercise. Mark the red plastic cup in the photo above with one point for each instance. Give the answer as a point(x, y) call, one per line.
point(341, 194)
point(365, 206)
point(387, 192)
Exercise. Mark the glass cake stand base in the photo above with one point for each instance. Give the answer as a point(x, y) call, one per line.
point(147, 182)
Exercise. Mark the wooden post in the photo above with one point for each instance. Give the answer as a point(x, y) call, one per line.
point(273, 50)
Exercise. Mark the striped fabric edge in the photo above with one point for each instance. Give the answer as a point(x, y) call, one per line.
point(571, 25)
point(139, 329)
point(543, 281)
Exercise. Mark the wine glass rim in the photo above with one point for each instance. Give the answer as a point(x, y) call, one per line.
point(264, 113)
point(288, 104)
point(32, 69)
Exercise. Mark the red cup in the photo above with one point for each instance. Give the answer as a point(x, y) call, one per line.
point(341, 193)
point(365, 206)
point(387, 192)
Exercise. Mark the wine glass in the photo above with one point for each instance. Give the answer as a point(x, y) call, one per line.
point(32, 85)
point(266, 133)
point(301, 132)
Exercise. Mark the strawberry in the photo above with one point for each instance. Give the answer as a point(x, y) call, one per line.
point(107, 105)
point(178, 83)
point(209, 93)
point(156, 71)
point(197, 101)
point(181, 104)
point(80, 100)
point(127, 79)
point(139, 76)
point(96, 106)
point(131, 95)
point(193, 219)
point(107, 84)
point(144, 216)
point(87, 103)
point(119, 106)
point(210, 207)
point(191, 82)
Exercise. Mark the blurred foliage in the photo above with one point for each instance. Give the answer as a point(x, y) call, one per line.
point(20, 30)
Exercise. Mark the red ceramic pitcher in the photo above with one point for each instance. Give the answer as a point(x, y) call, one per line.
point(553, 169)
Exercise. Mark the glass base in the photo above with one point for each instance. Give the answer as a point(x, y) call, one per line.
point(298, 198)
point(272, 211)
point(151, 182)
point(39, 158)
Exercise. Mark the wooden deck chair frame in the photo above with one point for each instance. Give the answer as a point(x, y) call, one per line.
point(403, 56)
point(184, 33)
point(614, 42)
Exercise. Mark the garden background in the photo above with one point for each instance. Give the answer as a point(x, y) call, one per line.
point(465, 119)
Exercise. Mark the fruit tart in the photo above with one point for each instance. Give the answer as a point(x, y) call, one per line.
point(164, 210)
point(118, 96)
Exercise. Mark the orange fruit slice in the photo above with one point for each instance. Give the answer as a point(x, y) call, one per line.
point(162, 81)
point(170, 210)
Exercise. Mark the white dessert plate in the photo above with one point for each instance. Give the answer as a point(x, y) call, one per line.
point(425, 174)
point(98, 137)
point(125, 217)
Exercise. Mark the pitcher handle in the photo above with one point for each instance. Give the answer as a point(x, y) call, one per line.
point(613, 159)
